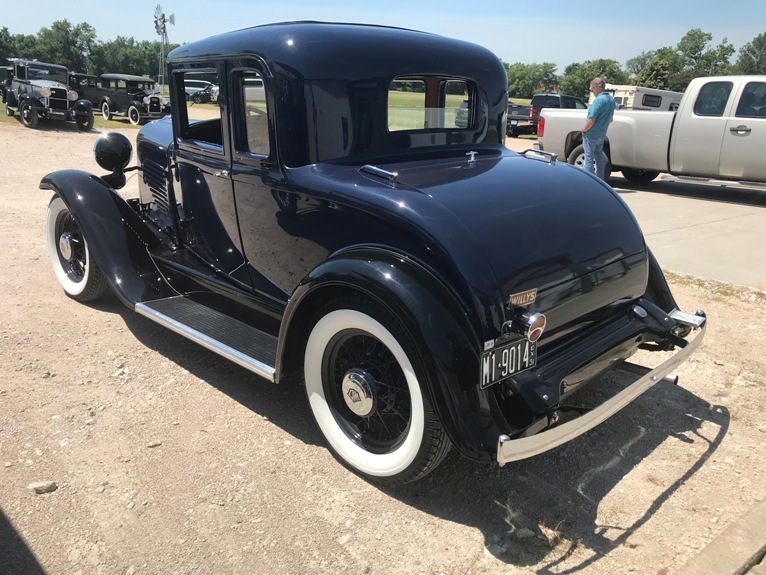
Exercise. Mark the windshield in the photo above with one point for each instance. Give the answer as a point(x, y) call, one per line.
point(54, 74)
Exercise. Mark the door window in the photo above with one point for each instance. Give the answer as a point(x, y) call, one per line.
point(752, 103)
point(712, 98)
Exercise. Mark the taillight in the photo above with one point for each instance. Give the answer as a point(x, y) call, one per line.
point(541, 127)
point(532, 113)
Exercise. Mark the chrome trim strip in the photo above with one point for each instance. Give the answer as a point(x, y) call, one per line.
point(213, 345)
point(514, 449)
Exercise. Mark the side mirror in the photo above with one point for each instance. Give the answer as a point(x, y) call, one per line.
point(113, 152)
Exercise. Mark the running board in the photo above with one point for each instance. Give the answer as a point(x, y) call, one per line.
point(243, 344)
point(712, 182)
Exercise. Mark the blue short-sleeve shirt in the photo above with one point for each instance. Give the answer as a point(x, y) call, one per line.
point(601, 110)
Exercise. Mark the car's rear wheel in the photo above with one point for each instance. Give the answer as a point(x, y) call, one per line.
point(105, 111)
point(363, 388)
point(577, 158)
point(639, 176)
point(84, 122)
point(70, 258)
point(134, 115)
point(28, 115)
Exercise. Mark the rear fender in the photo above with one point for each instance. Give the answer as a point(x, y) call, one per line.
point(431, 315)
point(118, 240)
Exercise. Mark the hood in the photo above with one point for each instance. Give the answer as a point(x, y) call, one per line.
point(49, 83)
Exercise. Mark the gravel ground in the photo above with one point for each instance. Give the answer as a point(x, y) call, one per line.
point(164, 458)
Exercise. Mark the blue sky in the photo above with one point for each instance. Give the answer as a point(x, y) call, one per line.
point(556, 31)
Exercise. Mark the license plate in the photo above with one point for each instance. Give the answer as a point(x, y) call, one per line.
point(514, 122)
point(505, 360)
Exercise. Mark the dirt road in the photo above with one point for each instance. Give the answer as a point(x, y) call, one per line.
point(167, 459)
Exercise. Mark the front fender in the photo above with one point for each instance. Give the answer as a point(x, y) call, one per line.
point(437, 324)
point(83, 107)
point(117, 238)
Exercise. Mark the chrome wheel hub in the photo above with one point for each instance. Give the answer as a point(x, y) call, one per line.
point(359, 392)
point(65, 246)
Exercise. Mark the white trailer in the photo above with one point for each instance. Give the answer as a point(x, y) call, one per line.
point(642, 98)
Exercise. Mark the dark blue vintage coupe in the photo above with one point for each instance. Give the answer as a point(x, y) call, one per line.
point(332, 218)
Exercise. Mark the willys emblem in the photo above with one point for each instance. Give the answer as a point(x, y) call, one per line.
point(522, 298)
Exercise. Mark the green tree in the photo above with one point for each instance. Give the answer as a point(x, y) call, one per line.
point(67, 45)
point(634, 65)
point(752, 56)
point(577, 77)
point(705, 61)
point(654, 75)
point(7, 46)
point(524, 80)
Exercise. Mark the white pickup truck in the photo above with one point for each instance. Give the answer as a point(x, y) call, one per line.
point(718, 133)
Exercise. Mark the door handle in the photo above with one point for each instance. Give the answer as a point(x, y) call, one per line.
point(739, 130)
point(222, 174)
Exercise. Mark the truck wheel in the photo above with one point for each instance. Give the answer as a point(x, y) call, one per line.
point(577, 158)
point(363, 389)
point(84, 123)
point(105, 112)
point(28, 115)
point(70, 259)
point(639, 176)
point(134, 115)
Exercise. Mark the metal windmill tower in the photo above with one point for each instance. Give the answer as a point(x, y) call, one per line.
point(160, 25)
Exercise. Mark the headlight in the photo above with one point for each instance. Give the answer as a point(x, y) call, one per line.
point(45, 92)
point(72, 96)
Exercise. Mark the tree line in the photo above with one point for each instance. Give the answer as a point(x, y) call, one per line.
point(78, 48)
point(670, 68)
point(667, 68)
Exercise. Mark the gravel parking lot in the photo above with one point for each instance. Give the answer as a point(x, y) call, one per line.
point(168, 459)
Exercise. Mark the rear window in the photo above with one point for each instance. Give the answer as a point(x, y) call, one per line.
point(428, 103)
point(546, 101)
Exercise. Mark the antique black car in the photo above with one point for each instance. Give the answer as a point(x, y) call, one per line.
point(430, 287)
point(133, 96)
point(86, 86)
point(42, 90)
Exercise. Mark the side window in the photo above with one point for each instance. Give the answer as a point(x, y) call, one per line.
point(752, 103)
point(429, 103)
point(712, 98)
point(251, 92)
point(651, 100)
point(202, 123)
point(580, 105)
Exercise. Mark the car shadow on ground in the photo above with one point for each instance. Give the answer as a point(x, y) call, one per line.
point(556, 497)
point(15, 557)
point(709, 192)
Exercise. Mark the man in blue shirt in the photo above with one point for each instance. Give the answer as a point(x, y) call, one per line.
point(600, 115)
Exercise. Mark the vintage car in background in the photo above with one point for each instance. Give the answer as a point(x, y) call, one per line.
point(133, 96)
point(431, 288)
point(6, 78)
point(86, 86)
point(40, 90)
point(206, 96)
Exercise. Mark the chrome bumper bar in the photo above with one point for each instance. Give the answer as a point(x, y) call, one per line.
point(514, 449)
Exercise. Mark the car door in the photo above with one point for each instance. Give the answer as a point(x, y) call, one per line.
point(744, 137)
point(275, 261)
point(203, 158)
point(698, 131)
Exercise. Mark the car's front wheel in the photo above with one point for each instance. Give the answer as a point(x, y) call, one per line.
point(70, 258)
point(84, 122)
point(577, 158)
point(105, 111)
point(363, 389)
point(28, 115)
point(134, 115)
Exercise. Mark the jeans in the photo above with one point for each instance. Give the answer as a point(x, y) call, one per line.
point(594, 152)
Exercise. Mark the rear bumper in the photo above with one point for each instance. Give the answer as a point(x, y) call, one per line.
point(514, 449)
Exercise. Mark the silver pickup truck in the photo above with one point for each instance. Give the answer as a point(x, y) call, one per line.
point(717, 133)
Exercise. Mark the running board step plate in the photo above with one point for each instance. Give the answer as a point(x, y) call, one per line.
point(244, 345)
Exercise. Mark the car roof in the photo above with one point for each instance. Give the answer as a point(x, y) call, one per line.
point(25, 62)
point(127, 77)
point(320, 50)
